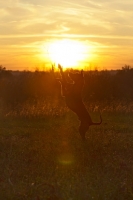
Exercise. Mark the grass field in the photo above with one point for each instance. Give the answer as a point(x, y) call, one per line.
point(44, 158)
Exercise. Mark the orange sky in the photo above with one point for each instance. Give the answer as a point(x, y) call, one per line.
point(28, 26)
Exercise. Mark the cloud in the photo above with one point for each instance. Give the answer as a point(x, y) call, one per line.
point(66, 16)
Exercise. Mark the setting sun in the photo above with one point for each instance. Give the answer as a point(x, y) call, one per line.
point(68, 53)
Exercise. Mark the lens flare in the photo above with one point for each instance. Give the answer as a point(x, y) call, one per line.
point(65, 155)
point(66, 158)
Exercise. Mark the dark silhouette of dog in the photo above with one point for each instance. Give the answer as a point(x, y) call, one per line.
point(73, 97)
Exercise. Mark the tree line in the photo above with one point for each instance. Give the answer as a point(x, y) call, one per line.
point(18, 87)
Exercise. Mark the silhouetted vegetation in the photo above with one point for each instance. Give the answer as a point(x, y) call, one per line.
point(41, 152)
point(109, 85)
point(18, 87)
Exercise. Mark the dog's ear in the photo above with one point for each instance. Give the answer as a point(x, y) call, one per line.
point(82, 73)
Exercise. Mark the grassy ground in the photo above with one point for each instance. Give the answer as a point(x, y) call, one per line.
point(45, 159)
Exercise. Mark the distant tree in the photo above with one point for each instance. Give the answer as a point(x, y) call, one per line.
point(4, 73)
point(126, 68)
point(2, 68)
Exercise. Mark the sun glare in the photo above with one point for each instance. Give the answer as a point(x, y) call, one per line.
point(68, 53)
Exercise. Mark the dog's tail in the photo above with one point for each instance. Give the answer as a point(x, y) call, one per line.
point(98, 123)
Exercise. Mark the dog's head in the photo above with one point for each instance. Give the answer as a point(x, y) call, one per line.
point(77, 77)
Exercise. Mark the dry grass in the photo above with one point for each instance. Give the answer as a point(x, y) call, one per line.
point(43, 157)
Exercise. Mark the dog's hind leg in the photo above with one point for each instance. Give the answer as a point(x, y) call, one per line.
point(83, 128)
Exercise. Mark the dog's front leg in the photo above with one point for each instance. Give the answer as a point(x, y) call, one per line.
point(63, 81)
point(62, 74)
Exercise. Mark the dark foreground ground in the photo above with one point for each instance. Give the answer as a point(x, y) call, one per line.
point(45, 159)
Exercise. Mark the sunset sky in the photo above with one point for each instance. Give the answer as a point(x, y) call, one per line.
point(29, 27)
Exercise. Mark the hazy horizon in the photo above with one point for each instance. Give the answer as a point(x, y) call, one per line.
point(27, 27)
